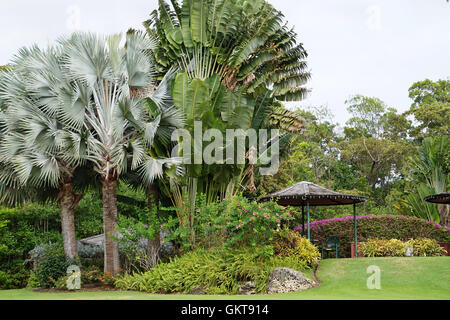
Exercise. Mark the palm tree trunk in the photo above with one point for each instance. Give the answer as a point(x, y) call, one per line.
point(153, 245)
point(109, 200)
point(66, 203)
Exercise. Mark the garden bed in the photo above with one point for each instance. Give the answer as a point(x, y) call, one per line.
point(445, 245)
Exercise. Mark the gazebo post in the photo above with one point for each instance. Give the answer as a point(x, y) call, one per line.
point(307, 212)
point(356, 234)
point(303, 220)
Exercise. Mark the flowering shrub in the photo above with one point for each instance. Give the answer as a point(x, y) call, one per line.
point(376, 226)
point(232, 223)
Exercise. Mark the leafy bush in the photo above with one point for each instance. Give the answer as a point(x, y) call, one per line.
point(231, 223)
point(91, 275)
point(33, 281)
point(397, 248)
point(49, 264)
point(215, 271)
point(426, 247)
point(139, 239)
point(382, 248)
point(51, 269)
point(290, 243)
point(380, 227)
point(15, 277)
point(23, 228)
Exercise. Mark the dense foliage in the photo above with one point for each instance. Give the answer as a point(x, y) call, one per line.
point(373, 226)
point(397, 248)
point(215, 271)
point(231, 223)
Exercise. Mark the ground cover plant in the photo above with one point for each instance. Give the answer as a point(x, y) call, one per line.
point(215, 271)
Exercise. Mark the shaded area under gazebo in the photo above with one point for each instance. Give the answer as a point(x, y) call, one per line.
point(440, 198)
point(307, 194)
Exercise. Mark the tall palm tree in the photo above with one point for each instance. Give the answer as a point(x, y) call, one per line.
point(125, 113)
point(37, 97)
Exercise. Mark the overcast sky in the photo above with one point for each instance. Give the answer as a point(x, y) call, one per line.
point(370, 47)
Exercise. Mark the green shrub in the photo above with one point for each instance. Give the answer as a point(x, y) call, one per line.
point(290, 243)
point(49, 264)
point(52, 269)
point(397, 248)
point(91, 275)
point(33, 281)
point(215, 271)
point(232, 223)
point(426, 247)
point(382, 248)
point(380, 227)
point(14, 276)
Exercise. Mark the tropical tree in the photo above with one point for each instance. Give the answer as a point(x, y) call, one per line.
point(36, 99)
point(430, 108)
point(122, 117)
point(237, 60)
point(375, 144)
point(430, 174)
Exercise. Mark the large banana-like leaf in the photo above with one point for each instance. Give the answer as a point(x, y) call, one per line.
point(198, 18)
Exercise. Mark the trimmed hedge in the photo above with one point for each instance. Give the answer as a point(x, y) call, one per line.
point(376, 226)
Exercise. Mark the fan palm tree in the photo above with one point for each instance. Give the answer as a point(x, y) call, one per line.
point(125, 113)
point(36, 97)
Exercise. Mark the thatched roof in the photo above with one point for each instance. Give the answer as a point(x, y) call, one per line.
point(443, 198)
point(299, 193)
point(94, 240)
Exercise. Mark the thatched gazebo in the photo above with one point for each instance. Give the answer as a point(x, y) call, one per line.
point(439, 198)
point(307, 194)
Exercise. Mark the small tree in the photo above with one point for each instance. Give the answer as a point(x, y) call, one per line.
point(124, 114)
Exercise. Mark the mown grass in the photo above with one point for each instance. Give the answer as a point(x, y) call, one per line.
point(401, 278)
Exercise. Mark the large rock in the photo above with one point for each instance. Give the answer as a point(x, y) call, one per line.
point(282, 280)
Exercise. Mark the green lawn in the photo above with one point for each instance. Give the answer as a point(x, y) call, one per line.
point(401, 278)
